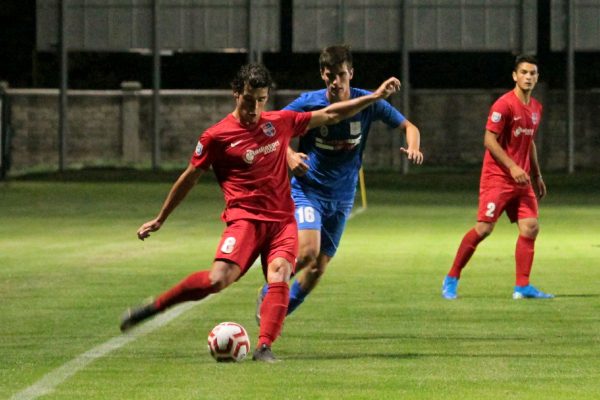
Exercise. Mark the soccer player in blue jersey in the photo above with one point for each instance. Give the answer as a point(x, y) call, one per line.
point(326, 169)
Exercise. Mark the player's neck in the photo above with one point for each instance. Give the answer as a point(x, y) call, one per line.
point(335, 99)
point(523, 95)
point(246, 124)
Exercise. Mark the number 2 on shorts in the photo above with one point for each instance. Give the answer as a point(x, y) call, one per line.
point(491, 207)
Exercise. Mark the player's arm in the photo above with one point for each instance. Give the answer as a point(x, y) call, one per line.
point(490, 142)
point(413, 141)
point(337, 112)
point(296, 162)
point(179, 190)
point(536, 173)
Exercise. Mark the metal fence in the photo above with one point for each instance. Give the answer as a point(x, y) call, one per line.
point(255, 26)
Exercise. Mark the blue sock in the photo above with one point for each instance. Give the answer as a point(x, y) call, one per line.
point(297, 296)
point(264, 290)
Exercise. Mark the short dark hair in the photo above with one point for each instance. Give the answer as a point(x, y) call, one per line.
point(527, 58)
point(335, 55)
point(255, 75)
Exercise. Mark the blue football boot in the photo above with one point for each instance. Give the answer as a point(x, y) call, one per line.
point(449, 288)
point(530, 292)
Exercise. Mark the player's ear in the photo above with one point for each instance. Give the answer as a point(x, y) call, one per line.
point(514, 75)
point(350, 72)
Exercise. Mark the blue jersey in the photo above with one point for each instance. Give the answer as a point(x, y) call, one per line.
point(335, 151)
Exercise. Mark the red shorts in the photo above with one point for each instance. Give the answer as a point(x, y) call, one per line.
point(519, 202)
point(244, 240)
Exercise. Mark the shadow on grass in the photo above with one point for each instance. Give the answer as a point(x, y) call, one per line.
point(392, 336)
point(411, 356)
point(351, 356)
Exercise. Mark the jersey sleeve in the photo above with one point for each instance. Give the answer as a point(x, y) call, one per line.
point(382, 110)
point(203, 155)
point(386, 113)
point(498, 117)
point(298, 121)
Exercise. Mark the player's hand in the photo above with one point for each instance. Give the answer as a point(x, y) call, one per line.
point(296, 162)
point(387, 88)
point(519, 175)
point(151, 226)
point(540, 187)
point(413, 155)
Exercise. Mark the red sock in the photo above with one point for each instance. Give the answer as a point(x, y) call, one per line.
point(524, 259)
point(272, 312)
point(195, 287)
point(465, 251)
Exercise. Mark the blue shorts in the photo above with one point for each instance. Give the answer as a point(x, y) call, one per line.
point(327, 216)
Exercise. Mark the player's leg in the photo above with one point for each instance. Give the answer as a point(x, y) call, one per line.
point(526, 215)
point(317, 255)
point(491, 205)
point(235, 254)
point(308, 217)
point(280, 257)
point(273, 308)
point(309, 241)
point(524, 250)
point(194, 287)
point(468, 245)
point(465, 251)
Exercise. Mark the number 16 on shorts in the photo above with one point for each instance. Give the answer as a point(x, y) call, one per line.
point(305, 214)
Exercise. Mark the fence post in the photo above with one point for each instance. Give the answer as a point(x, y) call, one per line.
point(4, 126)
point(130, 122)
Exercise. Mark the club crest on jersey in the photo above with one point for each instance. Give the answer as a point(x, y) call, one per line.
point(496, 116)
point(535, 118)
point(268, 129)
point(199, 148)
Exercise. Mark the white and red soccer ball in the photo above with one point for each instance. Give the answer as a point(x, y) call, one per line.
point(228, 341)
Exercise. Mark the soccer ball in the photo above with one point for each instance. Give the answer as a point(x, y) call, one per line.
point(228, 342)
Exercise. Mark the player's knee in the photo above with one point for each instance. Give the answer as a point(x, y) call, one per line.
point(220, 280)
point(279, 270)
point(530, 231)
point(484, 229)
point(223, 275)
point(219, 285)
point(319, 267)
point(307, 259)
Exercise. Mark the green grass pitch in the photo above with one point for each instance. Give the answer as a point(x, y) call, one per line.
point(376, 327)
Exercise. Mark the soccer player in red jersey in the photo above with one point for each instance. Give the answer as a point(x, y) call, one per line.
point(247, 152)
point(510, 180)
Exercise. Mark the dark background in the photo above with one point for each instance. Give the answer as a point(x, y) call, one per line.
point(22, 66)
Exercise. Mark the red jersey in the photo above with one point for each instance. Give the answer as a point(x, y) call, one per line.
point(250, 165)
point(516, 125)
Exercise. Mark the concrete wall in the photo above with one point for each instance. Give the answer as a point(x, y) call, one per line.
point(113, 128)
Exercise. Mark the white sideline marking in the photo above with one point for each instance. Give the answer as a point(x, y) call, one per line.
point(54, 378)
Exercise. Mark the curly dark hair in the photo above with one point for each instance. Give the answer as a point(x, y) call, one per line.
point(255, 75)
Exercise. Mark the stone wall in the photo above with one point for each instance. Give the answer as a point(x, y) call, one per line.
point(114, 128)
